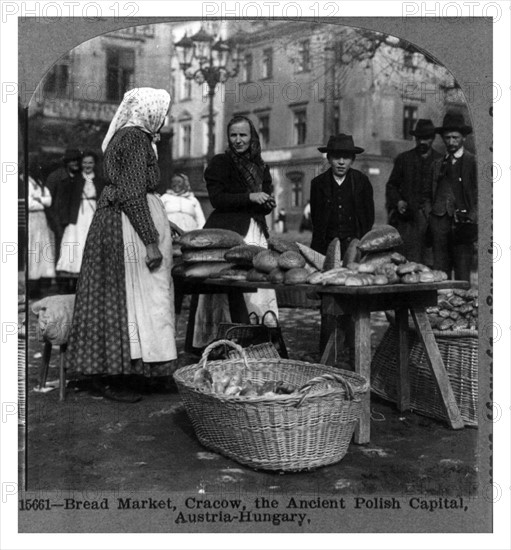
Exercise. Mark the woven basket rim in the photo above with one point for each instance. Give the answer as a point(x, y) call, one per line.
point(463, 332)
point(360, 384)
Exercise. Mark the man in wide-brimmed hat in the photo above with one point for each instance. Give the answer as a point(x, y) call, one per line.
point(341, 198)
point(404, 191)
point(451, 200)
point(341, 206)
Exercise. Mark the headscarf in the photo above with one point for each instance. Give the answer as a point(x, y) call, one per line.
point(187, 188)
point(143, 108)
point(250, 163)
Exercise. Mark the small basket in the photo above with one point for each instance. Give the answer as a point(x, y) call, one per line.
point(459, 351)
point(293, 432)
point(256, 332)
point(266, 350)
point(246, 332)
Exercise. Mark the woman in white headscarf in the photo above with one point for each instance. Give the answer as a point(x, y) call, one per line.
point(124, 311)
point(181, 204)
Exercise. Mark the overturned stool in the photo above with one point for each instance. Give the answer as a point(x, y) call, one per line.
point(55, 314)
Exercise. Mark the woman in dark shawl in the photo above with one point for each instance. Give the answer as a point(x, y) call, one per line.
point(240, 190)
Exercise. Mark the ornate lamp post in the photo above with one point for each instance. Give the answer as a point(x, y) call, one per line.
point(203, 59)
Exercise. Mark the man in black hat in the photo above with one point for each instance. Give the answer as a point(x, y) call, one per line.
point(404, 191)
point(56, 183)
point(341, 201)
point(451, 200)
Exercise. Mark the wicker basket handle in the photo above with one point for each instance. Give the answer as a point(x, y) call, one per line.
point(270, 312)
point(253, 315)
point(217, 343)
point(327, 378)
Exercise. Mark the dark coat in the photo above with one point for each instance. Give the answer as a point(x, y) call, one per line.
point(468, 183)
point(406, 180)
point(322, 205)
point(229, 197)
point(70, 197)
point(54, 183)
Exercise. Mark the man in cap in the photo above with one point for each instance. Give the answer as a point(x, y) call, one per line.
point(451, 200)
point(341, 206)
point(341, 201)
point(404, 191)
point(56, 183)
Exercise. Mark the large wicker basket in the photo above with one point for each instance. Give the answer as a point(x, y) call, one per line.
point(286, 433)
point(459, 351)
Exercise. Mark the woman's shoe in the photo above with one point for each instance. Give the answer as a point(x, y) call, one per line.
point(122, 395)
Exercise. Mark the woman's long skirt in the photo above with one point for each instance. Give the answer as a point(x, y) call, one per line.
point(101, 337)
point(213, 309)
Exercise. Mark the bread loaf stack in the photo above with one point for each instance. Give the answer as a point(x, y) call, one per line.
point(203, 252)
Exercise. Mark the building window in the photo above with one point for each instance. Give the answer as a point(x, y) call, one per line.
point(247, 67)
point(296, 178)
point(304, 56)
point(57, 80)
point(267, 63)
point(186, 139)
point(120, 72)
point(297, 193)
point(300, 126)
point(173, 84)
point(186, 88)
point(409, 119)
point(264, 130)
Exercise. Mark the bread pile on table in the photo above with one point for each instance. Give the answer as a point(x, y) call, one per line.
point(372, 260)
point(203, 252)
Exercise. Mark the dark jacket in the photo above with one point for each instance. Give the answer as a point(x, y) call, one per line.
point(229, 197)
point(322, 205)
point(70, 197)
point(468, 183)
point(406, 181)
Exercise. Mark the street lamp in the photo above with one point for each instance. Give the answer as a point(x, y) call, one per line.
point(203, 59)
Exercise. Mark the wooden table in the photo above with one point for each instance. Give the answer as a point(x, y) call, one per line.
point(359, 302)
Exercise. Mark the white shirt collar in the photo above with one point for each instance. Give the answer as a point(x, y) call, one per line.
point(339, 180)
point(458, 154)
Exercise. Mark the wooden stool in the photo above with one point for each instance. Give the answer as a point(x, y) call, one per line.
point(54, 321)
point(45, 364)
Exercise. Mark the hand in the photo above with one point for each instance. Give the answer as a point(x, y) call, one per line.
point(262, 198)
point(154, 258)
point(461, 216)
point(402, 206)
